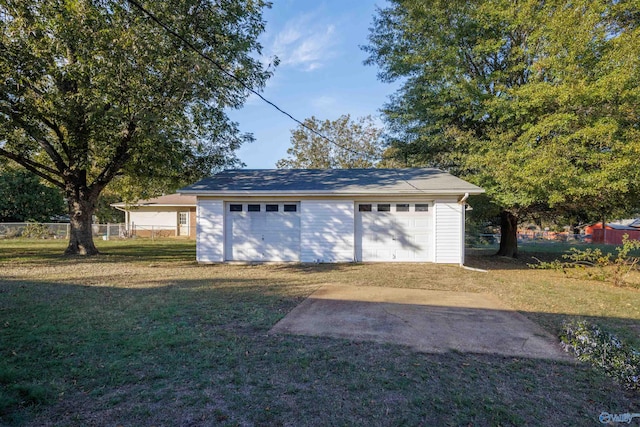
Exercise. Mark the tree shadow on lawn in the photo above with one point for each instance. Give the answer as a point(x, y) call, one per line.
point(486, 259)
point(197, 352)
point(314, 268)
point(52, 252)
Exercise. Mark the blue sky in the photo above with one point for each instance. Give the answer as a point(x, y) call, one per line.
point(321, 73)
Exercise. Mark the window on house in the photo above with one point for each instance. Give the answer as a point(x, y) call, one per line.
point(422, 207)
point(384, 208)
point(235, 208)
point(364, 208)
point(183, 218)
point(290, 208)
point(271, 208)
point(253, 208)
point(402, 207)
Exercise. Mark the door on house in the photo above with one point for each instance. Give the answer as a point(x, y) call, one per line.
point(183, 223)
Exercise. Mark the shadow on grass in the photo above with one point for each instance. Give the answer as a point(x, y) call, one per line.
point(486, 259)
point(37, 251)
point(529, 253)
point(308, 268)
point(197, 352)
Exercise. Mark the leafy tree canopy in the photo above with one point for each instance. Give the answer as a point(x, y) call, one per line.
point(24, 198)
point(535, 101)
point(94, 89)
point(104, 212)
point(356, 144)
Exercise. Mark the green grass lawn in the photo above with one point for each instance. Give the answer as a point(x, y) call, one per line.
point(142, 335)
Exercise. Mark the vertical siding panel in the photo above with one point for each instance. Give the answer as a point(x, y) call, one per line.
point(448, 231)
point(210, 233)
point(327, 231)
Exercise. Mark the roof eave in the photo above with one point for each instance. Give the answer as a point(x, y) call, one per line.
point(448, 192)
point(124, 206)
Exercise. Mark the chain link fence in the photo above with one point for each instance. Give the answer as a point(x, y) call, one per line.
point(488, 239)
point(34, 230)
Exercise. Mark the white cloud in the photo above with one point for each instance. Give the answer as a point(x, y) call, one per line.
point(304, 44)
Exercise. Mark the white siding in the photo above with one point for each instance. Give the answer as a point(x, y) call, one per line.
point(159, 218)
point(327, 230)
point(448, 232)
point(210, 231)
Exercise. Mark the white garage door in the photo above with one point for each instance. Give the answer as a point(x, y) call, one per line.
point(393, 232)
point(262, 231)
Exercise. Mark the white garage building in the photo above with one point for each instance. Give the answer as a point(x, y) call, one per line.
point(337, 215)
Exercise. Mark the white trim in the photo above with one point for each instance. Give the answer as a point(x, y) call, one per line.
point(454, 192)
point(463, 204)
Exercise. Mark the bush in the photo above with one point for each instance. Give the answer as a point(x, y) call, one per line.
point(604, 351)
point(599, 265)
point(36, 231)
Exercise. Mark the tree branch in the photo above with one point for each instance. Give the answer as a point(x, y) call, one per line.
point(35, 167)
point(56, 129)
point(48, 148)
point(117, 162)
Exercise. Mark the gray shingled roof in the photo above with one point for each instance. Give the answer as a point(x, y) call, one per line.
point(331, 181)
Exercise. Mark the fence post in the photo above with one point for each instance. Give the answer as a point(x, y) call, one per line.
point(108, 230)
point(68, 231)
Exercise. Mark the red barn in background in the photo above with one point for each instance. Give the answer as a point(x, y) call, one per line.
point(613, 233)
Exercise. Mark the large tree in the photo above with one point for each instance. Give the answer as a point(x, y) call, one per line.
point(535, 101)
point(95, 89)
point(334, 144)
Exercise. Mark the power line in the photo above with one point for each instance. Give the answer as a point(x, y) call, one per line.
point(234, 77)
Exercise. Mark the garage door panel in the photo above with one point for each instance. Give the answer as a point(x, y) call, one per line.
point(404, 223)
point(393, 235)
point(264, 235)
point(241, 222)
point(405, 254)
point(246, 250)
point(280, 253)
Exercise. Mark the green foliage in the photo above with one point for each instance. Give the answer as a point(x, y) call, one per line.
point(106, 214)
point(604, 351)
point(36, 231)
point(359, 144)
point(588, 256)
point(24, 198)
point(501, 93)
point(607, 266)
point(626, 260)
point(91, 90)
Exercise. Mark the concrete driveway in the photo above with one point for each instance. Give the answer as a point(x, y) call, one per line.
point(428, 321)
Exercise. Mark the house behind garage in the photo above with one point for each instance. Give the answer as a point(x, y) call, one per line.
point(165, 216)
point(337, 215)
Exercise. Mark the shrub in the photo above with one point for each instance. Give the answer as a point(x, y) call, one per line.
point(599, 265)
point(604, 351)
point(36, 231)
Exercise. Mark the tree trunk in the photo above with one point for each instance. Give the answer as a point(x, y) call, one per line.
point(509, 235)
point(81, 237)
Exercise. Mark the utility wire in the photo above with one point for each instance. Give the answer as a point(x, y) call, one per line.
point(234, 77)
